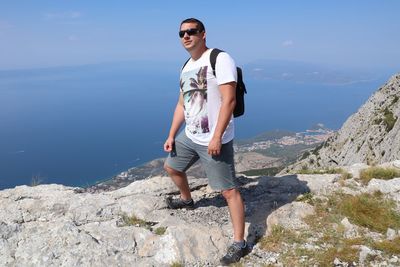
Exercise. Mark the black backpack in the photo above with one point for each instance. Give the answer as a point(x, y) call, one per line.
point(240, 86)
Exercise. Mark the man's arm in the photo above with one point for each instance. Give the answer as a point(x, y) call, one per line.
point(228, 94)
point(177, 121)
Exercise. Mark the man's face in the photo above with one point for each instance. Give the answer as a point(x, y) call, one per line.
point(191, 39)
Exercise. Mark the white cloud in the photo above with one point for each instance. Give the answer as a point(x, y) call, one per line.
point(287, 43)
point(63, 16)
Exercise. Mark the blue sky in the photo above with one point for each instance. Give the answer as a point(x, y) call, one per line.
point(72, 32)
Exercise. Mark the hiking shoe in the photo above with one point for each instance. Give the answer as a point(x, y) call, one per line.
point(179, 203)
point(234, 254)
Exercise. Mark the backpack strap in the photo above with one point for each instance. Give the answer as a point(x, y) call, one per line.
point(185, 63)
point(213, 58)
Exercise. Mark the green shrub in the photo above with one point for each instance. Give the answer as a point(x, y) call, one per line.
point(135, 221)
point(160, 230)
point(266, 171)
point(394, 101)
point(305, 155)
point(389, 119)
point(306, 197)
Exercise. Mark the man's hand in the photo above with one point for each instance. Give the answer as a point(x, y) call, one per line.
point(214, 147)
point(169, 144)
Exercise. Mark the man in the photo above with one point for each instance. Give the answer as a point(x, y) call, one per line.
point(206, 103)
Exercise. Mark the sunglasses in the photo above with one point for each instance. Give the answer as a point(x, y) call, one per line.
point(190, 32)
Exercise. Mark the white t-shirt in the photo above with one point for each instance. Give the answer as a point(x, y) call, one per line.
point(202, 98)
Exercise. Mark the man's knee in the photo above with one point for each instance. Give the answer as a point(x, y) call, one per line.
point(230, 193)
point(171, 171)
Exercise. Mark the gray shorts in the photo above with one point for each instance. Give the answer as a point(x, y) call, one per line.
point(220, 169)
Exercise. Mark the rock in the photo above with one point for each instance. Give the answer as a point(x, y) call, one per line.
point(394, 259)
point(54, 225)
point(351, 230)
point(366, 252)
point(321, 184)
point(290, 216)
point(390, 187)
point(396, 164)
point(355, 169)
point(390, 234)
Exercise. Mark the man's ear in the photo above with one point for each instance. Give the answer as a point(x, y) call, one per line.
point(204, 35)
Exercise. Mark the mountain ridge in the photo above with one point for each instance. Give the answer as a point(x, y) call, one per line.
point(370, 136)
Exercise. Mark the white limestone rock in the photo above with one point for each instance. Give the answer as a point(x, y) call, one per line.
point(351, 230)
point(290, 216)
point(355, 169)
point(320, 184)
point(390, 234)
point(390, 187)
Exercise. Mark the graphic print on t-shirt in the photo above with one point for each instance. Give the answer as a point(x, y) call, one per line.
point(194, 88)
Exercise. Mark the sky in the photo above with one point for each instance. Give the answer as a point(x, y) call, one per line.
point(46, 33)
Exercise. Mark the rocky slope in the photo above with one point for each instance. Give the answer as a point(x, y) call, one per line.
point(371, 135)
point(54, 225)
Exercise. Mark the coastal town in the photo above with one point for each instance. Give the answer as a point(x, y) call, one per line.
point(310, 137)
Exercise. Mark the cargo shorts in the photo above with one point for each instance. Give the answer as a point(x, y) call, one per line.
point(220, 170)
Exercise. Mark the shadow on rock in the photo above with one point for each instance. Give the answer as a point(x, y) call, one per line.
point(267, 195)
point(262, 196)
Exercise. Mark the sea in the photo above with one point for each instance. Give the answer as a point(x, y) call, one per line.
point(84, 124)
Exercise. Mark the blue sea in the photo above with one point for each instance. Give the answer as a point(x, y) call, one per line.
point(80, 125)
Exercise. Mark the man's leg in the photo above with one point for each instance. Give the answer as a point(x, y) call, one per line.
point(239, 248)
point(178, 161)
point(236, 211)
point(181, 181)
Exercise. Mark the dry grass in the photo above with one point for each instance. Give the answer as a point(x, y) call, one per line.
point(370, 210)
point(343, 252)
point(389, 246)
point(344, 174)
point(319, 171)
point(278, 237)
point(379, 173)
point(176, 264)
point(326, 235)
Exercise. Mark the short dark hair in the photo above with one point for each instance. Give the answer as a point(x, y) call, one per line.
point(200, 25)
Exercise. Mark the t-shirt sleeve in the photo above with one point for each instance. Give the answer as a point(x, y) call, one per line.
point(225, 69)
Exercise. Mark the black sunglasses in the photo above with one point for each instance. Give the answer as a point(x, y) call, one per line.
point(190, 32)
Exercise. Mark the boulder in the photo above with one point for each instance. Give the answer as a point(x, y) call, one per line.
point(290, 216)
